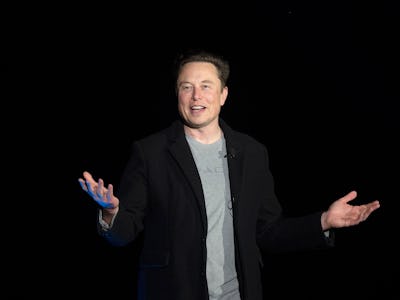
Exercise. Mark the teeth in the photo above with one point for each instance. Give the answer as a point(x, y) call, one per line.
point(197, 107)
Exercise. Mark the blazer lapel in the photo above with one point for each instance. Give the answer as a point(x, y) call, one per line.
point(180, 151)
point(235, 162)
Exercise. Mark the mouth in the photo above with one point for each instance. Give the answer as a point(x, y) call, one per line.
point(197, 107)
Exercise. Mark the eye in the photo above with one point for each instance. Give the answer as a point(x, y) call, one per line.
point(186, 87)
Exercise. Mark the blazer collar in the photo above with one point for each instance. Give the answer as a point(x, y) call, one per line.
point(176, 133)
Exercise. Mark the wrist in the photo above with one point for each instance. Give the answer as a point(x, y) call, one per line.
point(324, 221)
point(110, 212)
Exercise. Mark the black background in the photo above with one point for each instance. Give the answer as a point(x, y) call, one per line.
point(316, 82)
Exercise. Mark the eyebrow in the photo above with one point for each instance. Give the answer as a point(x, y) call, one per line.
point(203, 81)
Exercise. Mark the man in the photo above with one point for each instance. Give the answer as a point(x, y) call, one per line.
point(203, 196)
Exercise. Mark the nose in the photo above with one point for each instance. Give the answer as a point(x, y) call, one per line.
point(196, 94)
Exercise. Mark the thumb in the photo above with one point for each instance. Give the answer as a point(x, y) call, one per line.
point(350, 196)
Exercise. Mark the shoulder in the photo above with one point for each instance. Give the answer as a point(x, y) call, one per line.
point(163, 136)
point(239, 137)
point(241, 142)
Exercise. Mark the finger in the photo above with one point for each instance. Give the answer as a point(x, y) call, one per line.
point(90, 189)
point(87, 175)
point(108, 197)
point(372, 207)
point(83, 185)
point(364, 213)
point(89, 178)
point(100, 188)
point(110, 192)
point(350, 196)
point(368, 209)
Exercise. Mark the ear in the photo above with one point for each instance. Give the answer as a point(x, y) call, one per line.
point(224, 95)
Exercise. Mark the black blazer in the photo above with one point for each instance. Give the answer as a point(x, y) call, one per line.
point(161, 197)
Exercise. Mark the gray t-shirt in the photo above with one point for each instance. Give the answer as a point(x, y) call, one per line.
point(212, 165)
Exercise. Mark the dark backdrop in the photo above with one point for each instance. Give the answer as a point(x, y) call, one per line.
point(316, 82)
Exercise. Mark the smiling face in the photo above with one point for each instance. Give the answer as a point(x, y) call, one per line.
point(200, 95)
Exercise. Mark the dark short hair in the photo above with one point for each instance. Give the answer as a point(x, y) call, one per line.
point(201, 55)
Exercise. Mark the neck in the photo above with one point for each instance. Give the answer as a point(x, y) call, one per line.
point(204, 135)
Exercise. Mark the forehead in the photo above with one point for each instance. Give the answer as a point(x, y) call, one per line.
point(198, 69)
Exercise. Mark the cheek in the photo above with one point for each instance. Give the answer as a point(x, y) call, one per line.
point(183, 98)
point(182, 101)
point(216, 101)
point(181, 104)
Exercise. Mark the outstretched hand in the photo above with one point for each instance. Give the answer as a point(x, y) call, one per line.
point(343, 214)
point(102, 195)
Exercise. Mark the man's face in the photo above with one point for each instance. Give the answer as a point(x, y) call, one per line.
point(200, 95)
